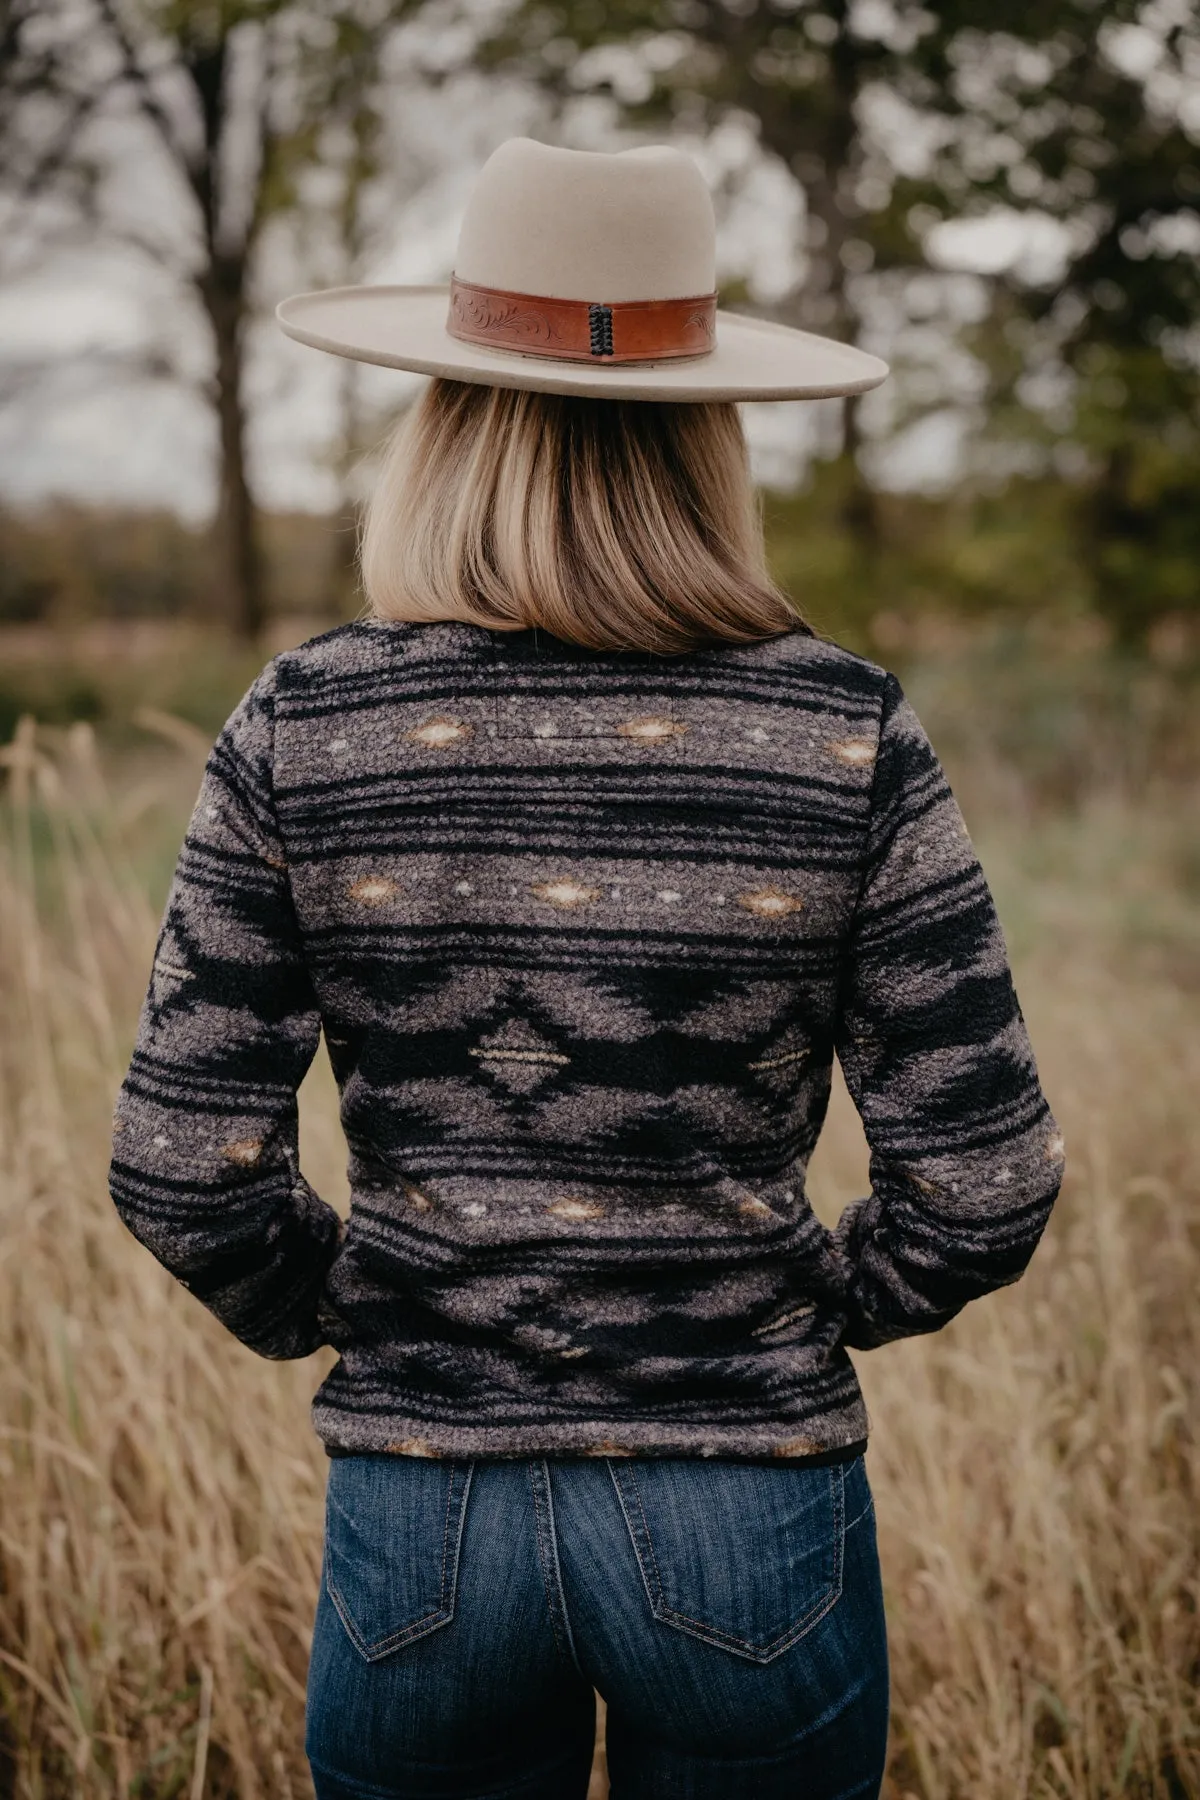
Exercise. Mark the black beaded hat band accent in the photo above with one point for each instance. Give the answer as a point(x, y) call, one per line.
point(600, 325)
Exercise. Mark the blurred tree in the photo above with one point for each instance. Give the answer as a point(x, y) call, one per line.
point(30, 79)
point(362, 151)
point(1088, 117)
point(894, 118)
point(238, 99)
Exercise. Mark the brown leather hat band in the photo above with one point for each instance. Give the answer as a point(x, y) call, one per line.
point(618, 331)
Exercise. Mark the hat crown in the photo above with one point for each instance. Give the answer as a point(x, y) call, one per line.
point(589, 225)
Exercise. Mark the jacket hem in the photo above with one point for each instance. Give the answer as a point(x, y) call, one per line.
point(350, 1435)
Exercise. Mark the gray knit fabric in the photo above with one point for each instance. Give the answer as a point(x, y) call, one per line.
point(584, 931)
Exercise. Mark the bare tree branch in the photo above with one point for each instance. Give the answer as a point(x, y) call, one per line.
point(147, 99)
point(53, 159)
point(86, 370)
point(153, 250)
point(237, 98)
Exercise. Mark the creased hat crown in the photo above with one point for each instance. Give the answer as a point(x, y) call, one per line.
point(589, 225)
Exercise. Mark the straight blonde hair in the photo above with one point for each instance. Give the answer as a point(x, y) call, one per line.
point(615, 524)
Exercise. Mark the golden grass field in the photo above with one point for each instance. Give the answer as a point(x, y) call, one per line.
point(1036, 1465)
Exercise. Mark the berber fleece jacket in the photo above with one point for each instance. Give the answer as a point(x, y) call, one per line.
point(584, 932)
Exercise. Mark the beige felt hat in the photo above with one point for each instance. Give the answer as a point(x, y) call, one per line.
point(583, 272)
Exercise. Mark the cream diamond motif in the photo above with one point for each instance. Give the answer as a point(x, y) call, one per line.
point(566, 892)
point(770, 902)
point(245, 1151)
point(572, 1207)
point(856, 753)
point(518, 1057)
point(653, 730)
point(373, 890)
point(439, 733)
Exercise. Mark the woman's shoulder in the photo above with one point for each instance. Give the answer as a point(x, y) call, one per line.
point(365, 645)
point(816, 660)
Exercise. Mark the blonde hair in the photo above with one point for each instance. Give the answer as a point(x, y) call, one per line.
point(616, 524)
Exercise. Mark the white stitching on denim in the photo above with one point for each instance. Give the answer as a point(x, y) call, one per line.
point(468, 1478)
point(713, 1634)
point(446, 1534)
point(427, 1622)
point(557, 1565)
point(641, 1506)
point(440, 1615)
point(537, 1527)
point(548, 1558)
point(632, 1530)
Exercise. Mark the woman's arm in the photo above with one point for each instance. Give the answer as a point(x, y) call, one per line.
point(205, 1168)
point(966, 1160)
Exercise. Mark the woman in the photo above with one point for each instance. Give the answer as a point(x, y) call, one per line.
point(586, 856)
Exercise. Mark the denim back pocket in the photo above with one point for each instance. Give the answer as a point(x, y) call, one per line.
point(747, 1557)
point(393, 1527)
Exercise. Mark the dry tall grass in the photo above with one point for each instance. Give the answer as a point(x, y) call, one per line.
point(1035, 1465)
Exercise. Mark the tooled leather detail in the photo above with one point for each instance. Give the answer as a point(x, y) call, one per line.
point(618, 331)
point(476, 312)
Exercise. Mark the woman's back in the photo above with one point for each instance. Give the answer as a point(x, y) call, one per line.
point(588, 858)
point(584, 930)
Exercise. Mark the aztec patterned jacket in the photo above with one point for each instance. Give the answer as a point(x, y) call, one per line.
point(584, 931)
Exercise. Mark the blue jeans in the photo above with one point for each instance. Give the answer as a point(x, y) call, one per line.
point(731, 1614)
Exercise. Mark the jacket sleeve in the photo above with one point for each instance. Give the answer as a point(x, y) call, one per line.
point(966, 1160)
point(205, 1168)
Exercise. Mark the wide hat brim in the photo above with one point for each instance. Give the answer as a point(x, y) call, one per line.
point(405, 328)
